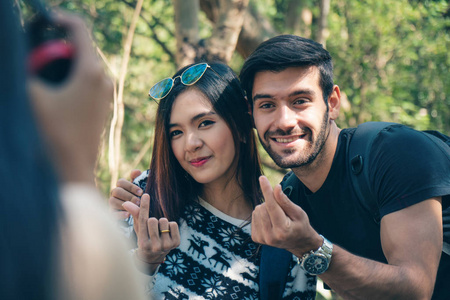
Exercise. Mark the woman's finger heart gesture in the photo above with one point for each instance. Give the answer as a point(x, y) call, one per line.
point(155, 237)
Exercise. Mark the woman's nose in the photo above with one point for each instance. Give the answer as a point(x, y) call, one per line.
point(193, 142)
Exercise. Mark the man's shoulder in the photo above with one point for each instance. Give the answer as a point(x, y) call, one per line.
point(403, 139)
point(390, 137)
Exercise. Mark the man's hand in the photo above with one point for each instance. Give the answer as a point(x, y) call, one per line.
point(155, 237)
point(280, 223)
point(125, 191)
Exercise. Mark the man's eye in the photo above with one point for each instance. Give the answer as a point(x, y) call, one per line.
point(300, 101)
point(266, 105)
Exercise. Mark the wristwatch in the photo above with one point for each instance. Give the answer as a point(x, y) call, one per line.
point(317, 262)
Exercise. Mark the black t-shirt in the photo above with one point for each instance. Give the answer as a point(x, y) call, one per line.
point(406, 167)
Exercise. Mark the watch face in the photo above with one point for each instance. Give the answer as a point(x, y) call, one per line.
point(315, 264)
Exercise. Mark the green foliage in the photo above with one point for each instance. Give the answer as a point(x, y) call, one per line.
point(391, 61)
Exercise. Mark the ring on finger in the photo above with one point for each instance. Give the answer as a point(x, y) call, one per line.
point(165, 231)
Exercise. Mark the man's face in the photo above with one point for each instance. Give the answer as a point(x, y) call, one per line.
point(290, 115)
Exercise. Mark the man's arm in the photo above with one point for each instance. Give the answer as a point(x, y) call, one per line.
point(411, 240)
point(412, 243)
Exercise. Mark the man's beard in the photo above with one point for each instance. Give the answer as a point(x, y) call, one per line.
point(311, 150)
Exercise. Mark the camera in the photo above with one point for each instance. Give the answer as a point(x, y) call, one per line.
point(50, 53)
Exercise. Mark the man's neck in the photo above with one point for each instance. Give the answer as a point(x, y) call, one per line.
point(314, 175)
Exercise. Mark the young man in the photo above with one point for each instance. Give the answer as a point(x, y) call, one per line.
point(289, 83)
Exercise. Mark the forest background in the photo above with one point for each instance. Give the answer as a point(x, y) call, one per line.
point(391, 59)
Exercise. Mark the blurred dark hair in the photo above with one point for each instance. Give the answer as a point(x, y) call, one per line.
point(169, 185)
point(285, 51)
point(30, 211)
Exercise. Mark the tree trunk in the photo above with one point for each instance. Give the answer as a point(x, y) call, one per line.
point(115, 133)
point(299, 18)
point(222, 43)
point(186, 30)
point(255, 27)
point(255, 30)
point(322, 28)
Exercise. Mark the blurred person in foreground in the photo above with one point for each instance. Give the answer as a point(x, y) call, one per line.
point(56, 238)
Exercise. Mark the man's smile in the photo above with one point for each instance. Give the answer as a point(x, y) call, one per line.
point(289, 139)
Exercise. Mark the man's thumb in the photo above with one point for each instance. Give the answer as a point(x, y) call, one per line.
point(132, 208)
point(135, 173)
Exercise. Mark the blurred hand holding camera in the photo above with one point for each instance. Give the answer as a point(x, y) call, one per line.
point(72, 114)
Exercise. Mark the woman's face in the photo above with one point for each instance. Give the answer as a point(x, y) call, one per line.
point(201, 140)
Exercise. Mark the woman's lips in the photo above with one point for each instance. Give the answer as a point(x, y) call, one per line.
point(198, 162)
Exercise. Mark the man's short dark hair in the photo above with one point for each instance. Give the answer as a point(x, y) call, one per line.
point(285, 51)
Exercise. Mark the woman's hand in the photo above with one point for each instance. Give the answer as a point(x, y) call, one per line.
point(155, 237)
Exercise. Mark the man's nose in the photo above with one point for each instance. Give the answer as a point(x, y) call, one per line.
point(286, 118)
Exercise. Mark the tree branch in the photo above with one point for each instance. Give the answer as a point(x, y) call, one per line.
point(118, 115)
point(154, 35)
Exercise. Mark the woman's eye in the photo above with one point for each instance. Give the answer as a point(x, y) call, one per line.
point(175, 133)
point(206, 123)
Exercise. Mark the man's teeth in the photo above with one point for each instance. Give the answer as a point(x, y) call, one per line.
point(286, 140)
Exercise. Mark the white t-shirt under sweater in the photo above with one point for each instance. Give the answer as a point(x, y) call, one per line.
point(217, 259)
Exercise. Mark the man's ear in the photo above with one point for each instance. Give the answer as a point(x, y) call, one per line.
point(334, 103)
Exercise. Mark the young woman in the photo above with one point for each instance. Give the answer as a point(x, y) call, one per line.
point(202, 187)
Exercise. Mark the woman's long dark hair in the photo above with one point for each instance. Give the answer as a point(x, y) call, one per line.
point(29, 197)
point(169, 185)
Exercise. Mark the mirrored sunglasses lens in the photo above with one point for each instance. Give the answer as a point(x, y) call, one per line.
point(193, 74)
point(161, 89)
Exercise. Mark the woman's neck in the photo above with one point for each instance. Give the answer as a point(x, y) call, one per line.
point(228, 198)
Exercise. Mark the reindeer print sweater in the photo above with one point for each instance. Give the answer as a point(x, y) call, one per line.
point(217, 260)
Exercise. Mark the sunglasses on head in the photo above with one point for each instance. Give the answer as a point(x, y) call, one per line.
point(189, 77)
